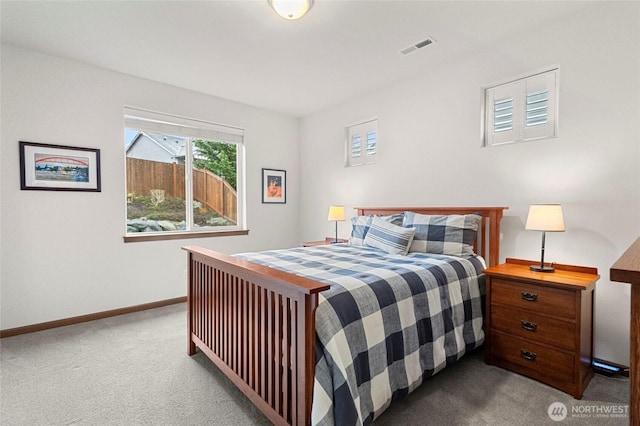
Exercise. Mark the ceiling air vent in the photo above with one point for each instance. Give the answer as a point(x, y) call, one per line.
point(417, 46)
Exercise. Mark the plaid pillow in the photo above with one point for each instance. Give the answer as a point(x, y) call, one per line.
point(443, 234)
point(386, 236)
point(360, 226)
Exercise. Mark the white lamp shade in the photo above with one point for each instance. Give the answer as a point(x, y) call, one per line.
point(545, 217)
point(291, 9)
point(336, 213)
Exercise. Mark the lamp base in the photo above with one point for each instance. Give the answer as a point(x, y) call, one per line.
point(538, 268)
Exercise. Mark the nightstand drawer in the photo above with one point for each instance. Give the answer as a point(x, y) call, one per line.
point(538, 298)
point(533, 327)
point(540, 359)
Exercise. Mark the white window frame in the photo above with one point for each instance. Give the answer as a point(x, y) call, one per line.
point(365, 152)
point(141, 120)
point(520, 90)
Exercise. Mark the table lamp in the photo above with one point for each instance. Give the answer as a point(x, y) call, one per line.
point(545, 218)
point(336, 213)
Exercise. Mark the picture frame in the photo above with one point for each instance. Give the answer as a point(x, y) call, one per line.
point(48, 167)
point(274, 186)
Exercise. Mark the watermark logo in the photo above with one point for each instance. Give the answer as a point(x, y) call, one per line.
point(605, 411)
point(557, 411)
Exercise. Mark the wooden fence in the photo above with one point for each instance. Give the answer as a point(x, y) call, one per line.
point(211, 190)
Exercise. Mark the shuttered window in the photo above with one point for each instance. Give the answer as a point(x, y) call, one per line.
point(522, 109)
point(362, 143)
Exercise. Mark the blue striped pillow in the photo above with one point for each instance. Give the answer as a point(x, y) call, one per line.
point(386, 236)
point(360, 226)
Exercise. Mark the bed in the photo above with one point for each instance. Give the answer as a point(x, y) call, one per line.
point(265, 318)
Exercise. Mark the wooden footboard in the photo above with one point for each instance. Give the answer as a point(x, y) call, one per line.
point(257, 325)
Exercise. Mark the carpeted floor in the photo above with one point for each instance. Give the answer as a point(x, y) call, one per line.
point(133, 370)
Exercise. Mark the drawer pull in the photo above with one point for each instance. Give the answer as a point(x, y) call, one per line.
point(529, 326)
point(529, 297)
point(529, 356)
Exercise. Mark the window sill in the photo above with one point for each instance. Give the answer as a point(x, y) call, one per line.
point(181, 235)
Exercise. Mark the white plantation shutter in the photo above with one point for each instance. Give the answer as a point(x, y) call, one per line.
point(537, 108)
point(371, 142)
point(356, 145)
point(541, 106)
point(503, 115)
point(504, 106)
point(522, 110)
point(362, 143)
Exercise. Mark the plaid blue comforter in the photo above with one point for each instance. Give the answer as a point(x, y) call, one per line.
point(386, 323)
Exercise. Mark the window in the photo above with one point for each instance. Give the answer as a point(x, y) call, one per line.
point(182, 176)
point(362, 143)
point(522, 110)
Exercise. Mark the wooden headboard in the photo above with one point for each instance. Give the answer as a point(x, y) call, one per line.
point(487, 242)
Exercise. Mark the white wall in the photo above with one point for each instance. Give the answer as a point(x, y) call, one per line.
point(429, 151)
point(63, 253)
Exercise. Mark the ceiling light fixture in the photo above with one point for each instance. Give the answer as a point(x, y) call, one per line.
point(291, 9)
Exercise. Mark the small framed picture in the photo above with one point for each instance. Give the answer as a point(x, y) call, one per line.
point(59, 168)
point(274, 186)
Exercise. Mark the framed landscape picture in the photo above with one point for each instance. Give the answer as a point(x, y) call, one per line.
point(59, 168)
point(274, 186)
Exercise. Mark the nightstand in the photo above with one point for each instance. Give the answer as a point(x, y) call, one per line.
point(540, 324)
point(326, 241)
